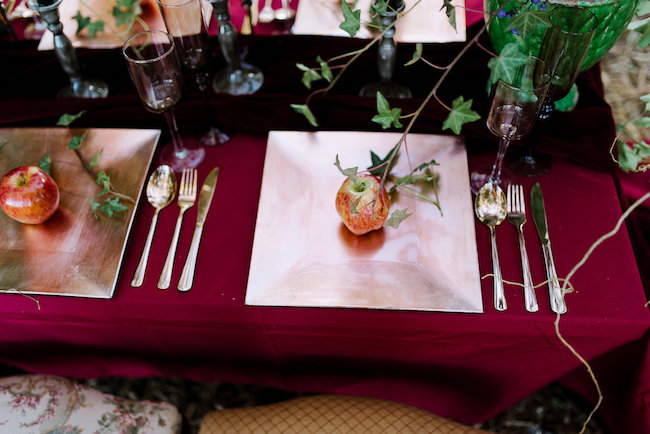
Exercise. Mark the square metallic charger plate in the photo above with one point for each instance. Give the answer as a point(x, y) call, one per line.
point(112, 36)
point(72, 253)
point(427, 23)
point(303, 255)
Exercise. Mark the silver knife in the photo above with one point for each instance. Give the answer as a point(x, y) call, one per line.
point(205, 198)
point(539, 217)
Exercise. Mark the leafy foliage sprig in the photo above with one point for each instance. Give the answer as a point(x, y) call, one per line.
point(124, 12)
point(107, 201)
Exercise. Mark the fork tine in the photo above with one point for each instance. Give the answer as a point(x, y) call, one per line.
point(194, 182)
point(522, 200)
point(509, 198)
point(183, 183)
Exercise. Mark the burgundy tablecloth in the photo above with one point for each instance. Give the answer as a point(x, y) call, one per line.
point(468, 367)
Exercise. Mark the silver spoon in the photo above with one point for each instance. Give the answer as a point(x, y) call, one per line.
point(490, 208)
point(267, 14)
point(161, 190)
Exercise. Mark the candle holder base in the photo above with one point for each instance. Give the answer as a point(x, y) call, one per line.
point(84, 89)
point(214, 137)
point(245, 80)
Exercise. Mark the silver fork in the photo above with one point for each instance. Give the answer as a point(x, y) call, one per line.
point(186, 198)
point(517, 216)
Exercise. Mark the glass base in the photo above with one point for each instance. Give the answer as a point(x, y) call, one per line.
point(480, 176)
point(190, 158)
point(524, 164)
point(243, 81)
point(214, 137)
point(84, 89)
point(389, 90)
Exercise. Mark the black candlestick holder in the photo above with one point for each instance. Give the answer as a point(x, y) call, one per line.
point(79, 87)
point(387, 55)
point(239, 77)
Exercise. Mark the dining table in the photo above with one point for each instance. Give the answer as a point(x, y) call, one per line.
point(464, 366)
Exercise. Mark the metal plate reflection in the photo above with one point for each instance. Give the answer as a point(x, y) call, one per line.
point(304, 256)
point(72, 253)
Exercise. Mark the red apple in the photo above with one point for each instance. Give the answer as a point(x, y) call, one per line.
point(369, 216)
point(28, 195)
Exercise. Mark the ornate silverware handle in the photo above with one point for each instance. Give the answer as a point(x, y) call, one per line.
point(499, 294)
point(187, 277)
point(138, 276)
point(166, 275)
point(529, 292)
point(555, 291)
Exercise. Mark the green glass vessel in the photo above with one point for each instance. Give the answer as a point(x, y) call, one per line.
point(613, 18)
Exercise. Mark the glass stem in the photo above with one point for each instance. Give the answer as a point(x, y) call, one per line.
point(179, 149)
point(498, 164)
point(202, 84)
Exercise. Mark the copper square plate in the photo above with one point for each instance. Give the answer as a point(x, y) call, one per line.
point(304, 256)
point(112, 36)
point(427, 22)
point(72, 253)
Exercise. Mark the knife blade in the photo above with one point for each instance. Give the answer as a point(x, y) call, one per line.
point(539, 217)
point(205, 198)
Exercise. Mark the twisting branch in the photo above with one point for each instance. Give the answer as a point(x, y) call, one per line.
point(93, 175)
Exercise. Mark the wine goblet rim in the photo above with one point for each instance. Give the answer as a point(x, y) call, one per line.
point(181, 3)
point(543, 83)
point(592, 20)
point(159, 57)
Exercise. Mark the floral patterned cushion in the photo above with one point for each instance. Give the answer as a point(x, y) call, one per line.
point(55, 405)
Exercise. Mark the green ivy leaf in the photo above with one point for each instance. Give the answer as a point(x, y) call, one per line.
point(643, 8)
point(304, 110)
point(425, 165)
point(380, 6)
point(386, 116)
point(629, 157)
point(416, 56)
point(75, 141)
point(308, 75)
point(530, 27)
point(397, 217)
point(643, 27)
point(94, 27)
point(46, 163)
point(461, 113)
point(354, 206)
point(642, 122)
point(352, 19)
point(351, 172)
point(82, 21)
point(505, 66)
point(105, 181)
point(111, 206)
point(94, 205)
point(326, 72)
point(450, 10)
point(95, 160)
point(646, 100)
point(126, 11)
point(66, 119)
point(376, 161)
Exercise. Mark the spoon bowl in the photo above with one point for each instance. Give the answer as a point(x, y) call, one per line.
point(490, 207)
point(161, 190)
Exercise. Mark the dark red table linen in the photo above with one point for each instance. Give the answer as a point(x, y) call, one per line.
point(468, 367)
